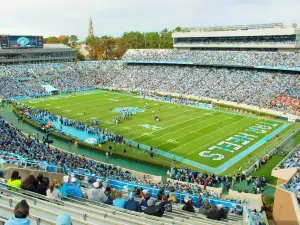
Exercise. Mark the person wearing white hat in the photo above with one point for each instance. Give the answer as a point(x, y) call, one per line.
point(66, 179)
point(98, 180)
point(188, 205)
point(96, 194)
point(73, 189)
point(125, 189)
point(223, 211)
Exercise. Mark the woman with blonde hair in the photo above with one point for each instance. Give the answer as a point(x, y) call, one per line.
point(119, 201)
point(172, 197)
point(62, 187)
point(53, 193)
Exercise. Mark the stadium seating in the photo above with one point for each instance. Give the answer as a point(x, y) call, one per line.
point(245, 58)
point(292, 160)
point(84, 211)
point(272, 89)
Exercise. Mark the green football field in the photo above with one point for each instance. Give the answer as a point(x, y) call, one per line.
point(211, 140)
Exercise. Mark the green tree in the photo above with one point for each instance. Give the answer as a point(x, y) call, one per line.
point(51, 40)
point(166, 40)
point(108, 47)
point(134, 40)
point(73, 40)
point(177, 29)
point(151, 40)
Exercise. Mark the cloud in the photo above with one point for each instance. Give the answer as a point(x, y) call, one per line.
point(113, 17)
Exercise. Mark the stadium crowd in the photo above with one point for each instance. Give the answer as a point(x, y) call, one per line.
point(97, 191)
point(12, 141)
point(276, 90)
point(237, 85)
point(293, 160)
point(245, 58)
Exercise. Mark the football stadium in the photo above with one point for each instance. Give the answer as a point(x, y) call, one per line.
point(206, 131)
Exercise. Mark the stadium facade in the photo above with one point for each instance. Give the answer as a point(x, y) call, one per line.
point(259, 37)
point(32, 50)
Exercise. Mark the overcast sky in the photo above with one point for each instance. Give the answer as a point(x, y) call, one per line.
point(113, 17)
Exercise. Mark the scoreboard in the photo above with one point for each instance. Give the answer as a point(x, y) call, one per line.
point(21, 42)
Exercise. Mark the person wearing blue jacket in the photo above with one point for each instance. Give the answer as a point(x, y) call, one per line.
point(132, 205)
point(198, 203)
point(20, 213)
point(73, 189)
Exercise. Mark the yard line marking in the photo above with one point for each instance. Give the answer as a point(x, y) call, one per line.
point(162, 123)
point(208, 134)
point(198, 149)
point(187, 127)
point(172, 125)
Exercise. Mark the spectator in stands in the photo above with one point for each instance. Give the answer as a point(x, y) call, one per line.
point(61, 187)
point(160, 194)
point(15, 180)
point(73, 189)
point(21, 211)
point(188, 206)
point(53, 193)
point(119, 201)
point(96, 194)
point(154, 210)
point(43, 186)
point(223, 211)
point(238, 210)
point(205, 208)
point(139, 192)
point(172, 197)
point(131, 204)
point(145, 200)
point(108, 192)
point(28, 184)
point(214, 213)
point(165, 204)
point(198, 203)
point(125, 189)
point(64, 219)
point(38, 179)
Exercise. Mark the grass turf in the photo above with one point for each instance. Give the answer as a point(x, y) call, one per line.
point(184, 131)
